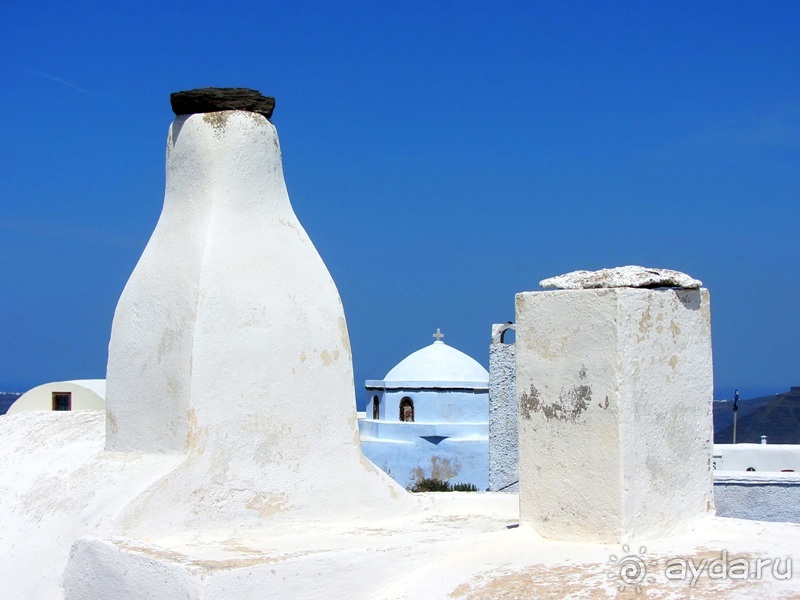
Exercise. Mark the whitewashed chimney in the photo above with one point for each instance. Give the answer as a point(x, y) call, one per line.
point(615, 395)
point(230, 345)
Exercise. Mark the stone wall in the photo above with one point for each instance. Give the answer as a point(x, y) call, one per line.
point(758, 496)
point(503, 439)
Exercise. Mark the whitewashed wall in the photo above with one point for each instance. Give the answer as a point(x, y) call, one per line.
point(432, 405)
point(761, 457)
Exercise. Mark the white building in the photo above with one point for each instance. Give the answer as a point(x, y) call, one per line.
point(81, 394)
point(757, 457)
point(429, 418)
point(758, 481)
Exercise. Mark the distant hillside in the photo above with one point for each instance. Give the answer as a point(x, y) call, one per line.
point(723, 413)
point(6, 400)
point(777, 417)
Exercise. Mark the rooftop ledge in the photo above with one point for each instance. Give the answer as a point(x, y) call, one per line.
point(757, 478)
point(379, 384)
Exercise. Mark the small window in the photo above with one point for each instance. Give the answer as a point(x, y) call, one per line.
point(62, 400)
point(509, 335)
point(407, 410)
point(376, 408)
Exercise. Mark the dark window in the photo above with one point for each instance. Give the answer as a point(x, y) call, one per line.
point(407, 410)
point(376, 408)
point(62, 400)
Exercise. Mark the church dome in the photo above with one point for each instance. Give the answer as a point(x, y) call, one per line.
point(438, 363)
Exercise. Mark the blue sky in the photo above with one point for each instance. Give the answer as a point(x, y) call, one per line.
point(442, 156)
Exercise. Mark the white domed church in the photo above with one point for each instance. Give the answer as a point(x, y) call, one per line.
point(429, 417)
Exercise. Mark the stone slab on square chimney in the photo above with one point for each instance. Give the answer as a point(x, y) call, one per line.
point(615, 393)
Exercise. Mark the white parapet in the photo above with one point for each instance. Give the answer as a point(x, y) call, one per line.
point(615, 396)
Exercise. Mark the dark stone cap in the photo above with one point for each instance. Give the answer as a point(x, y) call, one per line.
point(204, 100)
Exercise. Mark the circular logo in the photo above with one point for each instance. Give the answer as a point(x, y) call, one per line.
point(631, 569)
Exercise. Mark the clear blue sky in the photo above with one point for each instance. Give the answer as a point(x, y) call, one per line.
point(442, 156)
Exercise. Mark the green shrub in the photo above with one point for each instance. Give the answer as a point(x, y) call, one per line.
point(465, 487)
point(432, 484)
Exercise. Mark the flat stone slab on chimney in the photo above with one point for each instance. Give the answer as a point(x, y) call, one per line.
point(204, 100)
point(630, 276)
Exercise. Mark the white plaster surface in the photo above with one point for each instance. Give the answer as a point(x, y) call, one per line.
point(87, 394)
point(460, 546)
point(453, 546)
point(630, 276)
point(503, 439)
point(57, 484)
point(150, 352)
point(615, 394)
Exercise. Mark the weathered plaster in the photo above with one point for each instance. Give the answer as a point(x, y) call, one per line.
point(232, 318)
point(57, 484)
point(615, 436)
point(461, 546)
